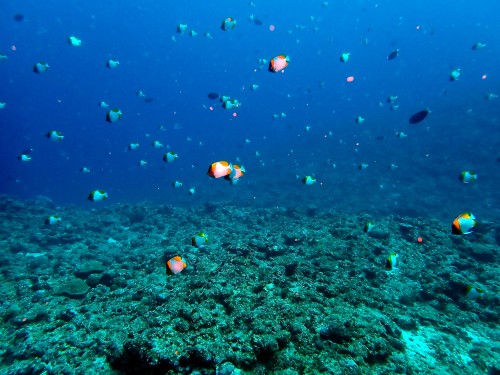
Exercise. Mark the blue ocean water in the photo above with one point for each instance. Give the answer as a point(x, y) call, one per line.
point(178, 71)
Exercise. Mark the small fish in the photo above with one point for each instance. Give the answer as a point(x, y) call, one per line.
point(25, 156)
point(74, 41)
point(231, 104)
point(53, 219)
point(228, 24)
point(308, 180)
point(478, 46)
point(112, 64)
point(467, 177)
point(463, 224)
point(473, 292)
point(368, 227)
point(133, 146)
point(257, 22)
point(84, 170)
point(181, 28)
point(98, 195)
point(455, 75)
point(3, 57)
point(278, 63)
point(40, 67)
point(393, 54)
point(142, 163)
point(55, 136)
point(199, 240)
point(208, 35)
point(235, 174)
point(392, 99)
point(279, 115)
point(175, 265)
point(169, 157)
point(213, 95)
point(176, 184)
point(344, 57)
point(418, 116)
point(220, 169)
point(401, 135)
point(224, 98)
point(103, 104)
point(362, 166)
point(254, 87)
point(157, 144)
point(359, 120)
point(192, 191)
point(113, 115)
point(391, 261)
point(2, 105)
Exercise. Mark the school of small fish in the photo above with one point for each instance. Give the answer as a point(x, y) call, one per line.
point(463, 224)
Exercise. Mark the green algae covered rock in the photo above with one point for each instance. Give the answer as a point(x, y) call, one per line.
point(75, 288)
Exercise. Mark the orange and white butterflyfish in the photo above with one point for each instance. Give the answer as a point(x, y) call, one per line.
point(175, 265)
point(463, 224)
point(228, 23)
point(278, 63)
point(220, 169)
point(236, 173)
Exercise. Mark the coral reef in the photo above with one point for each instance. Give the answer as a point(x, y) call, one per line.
point(275, 291)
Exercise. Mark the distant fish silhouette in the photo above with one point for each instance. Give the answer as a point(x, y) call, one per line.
point(213, 95)
point(418, 117)
point(393, 54)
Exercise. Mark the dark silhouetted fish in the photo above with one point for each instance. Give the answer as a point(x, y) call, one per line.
point(19, 17)
point(258, 22)
point(213, 95)
point(418, 117)
point(149, 99)
point(393, 55)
